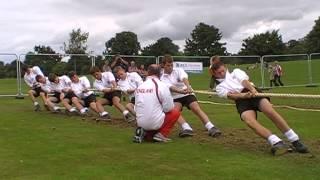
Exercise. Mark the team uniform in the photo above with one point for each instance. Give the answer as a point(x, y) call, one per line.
point(132, 81)
point(45, 87)
point(106, 82)
point(154, 107)
point(30, 80)
point(232, 84)
point(175, 79)
point(63, 87)
point(79, 88)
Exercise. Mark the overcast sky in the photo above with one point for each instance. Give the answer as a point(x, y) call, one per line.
point(25, 23)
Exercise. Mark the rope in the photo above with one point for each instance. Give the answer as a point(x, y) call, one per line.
point(309, 96)
point(276, 106)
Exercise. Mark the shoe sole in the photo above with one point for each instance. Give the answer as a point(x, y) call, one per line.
point(182, 135)
point(281, 151)
point(217, 134)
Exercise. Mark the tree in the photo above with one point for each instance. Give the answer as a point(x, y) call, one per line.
point(77, 44)
point(263, 44)
point(2, 70)
point(205, 41)
point(46, 62)
point(296, 46)
point(125, 43)
point(313, 38)
point(162, 46)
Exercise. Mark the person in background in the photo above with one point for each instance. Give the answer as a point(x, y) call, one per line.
point(133, 67)
point(142, 72)
point(106, 67)
point(278, 72)
point(118, 61)
point(271, 75)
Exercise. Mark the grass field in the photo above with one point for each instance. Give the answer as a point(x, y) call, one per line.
point(54, 146)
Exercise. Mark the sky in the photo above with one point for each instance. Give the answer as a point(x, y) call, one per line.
point(26, 23)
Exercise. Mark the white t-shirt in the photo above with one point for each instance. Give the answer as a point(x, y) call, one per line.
point(231, 83)
point(150, 112)
point(132, 81)
point(105, 82)
point(46, 86)
point(175, 79)
point(79, 87)
point(30, 78)
point(64, 84)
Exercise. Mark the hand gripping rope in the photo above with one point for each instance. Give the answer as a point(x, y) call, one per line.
point(289, 95)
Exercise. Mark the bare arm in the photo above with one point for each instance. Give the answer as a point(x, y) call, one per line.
point(177, 90)
point(186, 82)
point(236, 96)
point(247, 84)
point(124, 62)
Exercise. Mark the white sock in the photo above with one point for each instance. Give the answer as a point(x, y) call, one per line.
point(103, 113)
point(209, 125)
point(35, 103)
point(125, 112)
point(185, 126)
point(273, 139)
point(291, 135)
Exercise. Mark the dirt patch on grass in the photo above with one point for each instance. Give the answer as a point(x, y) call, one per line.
point(231, 138)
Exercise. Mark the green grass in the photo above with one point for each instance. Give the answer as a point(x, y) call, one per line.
point(50, 146)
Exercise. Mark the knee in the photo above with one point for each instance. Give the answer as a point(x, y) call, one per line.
point(74, 99)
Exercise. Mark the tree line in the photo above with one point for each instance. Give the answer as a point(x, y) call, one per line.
point(204, 40)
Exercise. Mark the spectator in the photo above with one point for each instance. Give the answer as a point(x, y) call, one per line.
point(271, 75)
point(106, 67)
point(277, 71)
point(118, 61)
point(133, 67)
point(142, 71)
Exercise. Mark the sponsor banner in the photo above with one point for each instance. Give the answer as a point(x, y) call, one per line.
point(190, 67)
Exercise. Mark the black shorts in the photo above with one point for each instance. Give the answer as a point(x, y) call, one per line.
point(133, 100)
point(249, 104)
point(186, 100)
point(69, 95)
point(57, 95)
point(89, 99)
point(109, 96)
point(37, 91)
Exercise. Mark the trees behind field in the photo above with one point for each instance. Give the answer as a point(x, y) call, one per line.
point(160, 47)
point(313, 38)
point(125, 42)
point(205, 41)
point(263, 44)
